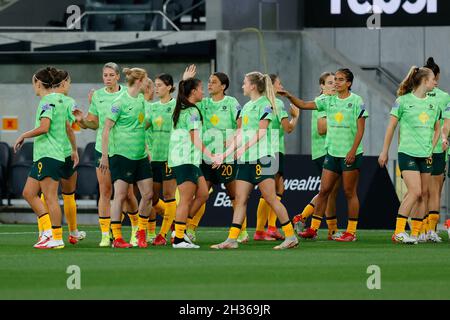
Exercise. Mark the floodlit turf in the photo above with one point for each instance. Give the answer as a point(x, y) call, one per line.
point(315, 270)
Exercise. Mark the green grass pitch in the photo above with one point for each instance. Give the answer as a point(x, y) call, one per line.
point(315, 270)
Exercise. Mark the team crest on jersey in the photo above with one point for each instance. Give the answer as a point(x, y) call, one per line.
point(169, 109)
point(115, 109)
point(431, 107)
point(224, 108)
point(350, 105)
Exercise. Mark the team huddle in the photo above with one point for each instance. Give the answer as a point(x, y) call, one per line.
point(173, 151)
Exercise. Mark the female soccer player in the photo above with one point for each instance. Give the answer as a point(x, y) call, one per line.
point(318, 153)
point(159, 115)
point(68, 173)
point(123, 139)
point(439, 161)
point(51, 129)
point(419, 116)
point(101, 101)
point(219, 113)
point(280, 125)
point(346, 117)
point(256, 165)
point(185, 155)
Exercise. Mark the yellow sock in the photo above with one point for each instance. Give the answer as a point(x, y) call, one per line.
point(39, 226)
point(142, 222)
point(70, 211)
point(234, 231)
point(332, 225)
point(179, 229)
point(57, 232)
point(151, 226)
point(400, 224)
point(43, 202)
point(169, 216)
point(316, 221)
point(195, 221)
point(45, 222)
point(433, 220)
point(159, 206)
point(244, 225)
point(288, 229)
point(272, 220)
point(262, 214)
point(134, 218)
point(105, 224)
point(116, 228)
point(122, 216)
point(351, 226)
point(308, 211)
point(424, 227)
point(416, 226)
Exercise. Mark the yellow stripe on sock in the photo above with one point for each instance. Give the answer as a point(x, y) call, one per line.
point(179, 230)
point(142, 222)
point(316, 222)
point(134, 218)
point(169, 216)
point(288, 230)
point(433, 220)
point(262, 214)
point(105, 224)
point(45, 222)
point(70, 211)
point(332, 225)
point(195, 221)
point(400, 224)
point(351, 226)
point(244, 225)
point(416, 226)
point(57, 233)
point(307, 211)
point(234, 232)
point(116, 228)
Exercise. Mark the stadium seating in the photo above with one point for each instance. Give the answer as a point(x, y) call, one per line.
point(87, 184)
point(5, 159)
point(20, 168)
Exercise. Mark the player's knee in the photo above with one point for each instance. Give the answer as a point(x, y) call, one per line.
point(106, 191)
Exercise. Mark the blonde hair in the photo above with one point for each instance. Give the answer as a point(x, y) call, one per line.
point(113, 66)
point(264, 86)
point(413, 80)
point(133, 74)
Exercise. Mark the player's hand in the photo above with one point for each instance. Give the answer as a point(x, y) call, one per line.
point(75, 158)
point(294, 111)
point(217, 161)
point(104, 164)
point(350, 158)
point(284, 93)
point(190, 72)
point(383, 159)
point(78, 114)
point(19, 143)
point(90, 94)
point(444, 144)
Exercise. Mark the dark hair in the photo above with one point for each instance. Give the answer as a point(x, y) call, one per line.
point(185, 88)
point(46, 76)
point(59, 77)
point(223, 78)
point(273, 77)
point(430, 64)
point(348, 76)
point(167, 80)
point(323, 78)
point(413, 80)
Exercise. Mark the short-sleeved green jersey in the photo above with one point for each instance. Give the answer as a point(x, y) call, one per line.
point(127, 137)
point(71, 105)
point(100, 106)
point(252, 113)
point(159, 115)
point(417, 118)
point(51, 144)
point(181, 149)
point(219, 122)
point(318, 148)
point(342, 122)
point(442, 99)
point(276, 139)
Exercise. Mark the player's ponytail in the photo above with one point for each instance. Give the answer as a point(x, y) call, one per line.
point(270, 92)
point(263, 85)
point(185, 89)
point(46, 76)
point(413, 80)
point(430, 64)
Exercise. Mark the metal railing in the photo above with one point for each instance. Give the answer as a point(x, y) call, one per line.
point(381, 72)
point(85, 14)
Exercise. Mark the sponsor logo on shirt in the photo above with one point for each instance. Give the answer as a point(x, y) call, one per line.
point(423, 117)
point(47, 106)
point(339, 117)
point(268, 109)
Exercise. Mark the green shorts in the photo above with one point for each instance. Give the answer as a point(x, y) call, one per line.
point(438, 164)
point(67, 170)
point(162, 171)
point(187, 172)
point(224, 174)
point(255, 173)
point(338, 165)
point(98, 157)
point(280, 160)
point(46, 167)
point(410, 163)
point(128, 170)
point(319, 163)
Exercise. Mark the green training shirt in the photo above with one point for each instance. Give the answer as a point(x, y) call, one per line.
point(417, 118)
point(100, 106)
point(71, 105)
point(276, 139)
point(51, 144)
point(342, 122)
point(127, 137)
point(318, 141)
point(181, 149)
point(159, 115)
point(442, 99)
point(252, 113)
